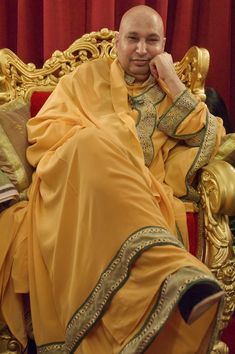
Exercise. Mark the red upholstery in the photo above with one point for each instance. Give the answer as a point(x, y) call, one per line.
point(192, 222)
point(228, 335)
point(37, 101)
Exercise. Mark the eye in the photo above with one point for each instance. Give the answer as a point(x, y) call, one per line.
point(153, 40)
point(132, 38)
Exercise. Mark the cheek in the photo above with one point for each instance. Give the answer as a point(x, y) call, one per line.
point(126, 52)
point(157, 50)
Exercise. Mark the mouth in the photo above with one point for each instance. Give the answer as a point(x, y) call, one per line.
point(140, 62)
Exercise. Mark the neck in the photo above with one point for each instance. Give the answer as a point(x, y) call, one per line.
point(137, 78)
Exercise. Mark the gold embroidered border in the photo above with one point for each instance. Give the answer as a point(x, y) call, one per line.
point(181, 108)
point(173, 288)
point(196, 140)
point(203, 156)
point(145, 105)
point(112, 279)
point(205, 139)
point(53, 348)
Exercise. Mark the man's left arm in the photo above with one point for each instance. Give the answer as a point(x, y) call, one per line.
point(185, 118)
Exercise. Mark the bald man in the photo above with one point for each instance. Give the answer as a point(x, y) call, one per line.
point(102, 245)
point(140, 48)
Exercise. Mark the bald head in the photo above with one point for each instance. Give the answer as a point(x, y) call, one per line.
point(140, 38)
point(141, 13)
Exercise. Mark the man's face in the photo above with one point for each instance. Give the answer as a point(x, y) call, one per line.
point(139, 40)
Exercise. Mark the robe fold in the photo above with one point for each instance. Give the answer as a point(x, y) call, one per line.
point(101, 244)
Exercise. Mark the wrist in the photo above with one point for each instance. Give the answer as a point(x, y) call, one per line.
point(175, 86)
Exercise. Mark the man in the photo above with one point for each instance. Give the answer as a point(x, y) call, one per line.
point(96, 246)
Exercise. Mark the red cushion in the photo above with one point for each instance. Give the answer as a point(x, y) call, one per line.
point(228, 335)
point(37, 101)
point(192, 222)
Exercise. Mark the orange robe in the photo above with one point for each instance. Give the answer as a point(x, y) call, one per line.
point(96, 245)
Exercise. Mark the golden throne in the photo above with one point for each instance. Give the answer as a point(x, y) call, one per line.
point(20, 81)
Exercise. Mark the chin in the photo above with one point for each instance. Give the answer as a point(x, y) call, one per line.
point(138, 73)
point(140, 77)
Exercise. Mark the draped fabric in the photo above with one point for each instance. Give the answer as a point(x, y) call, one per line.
point(35, 29)
point(93, 269)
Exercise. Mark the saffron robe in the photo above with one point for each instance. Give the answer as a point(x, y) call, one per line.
point(96, 245)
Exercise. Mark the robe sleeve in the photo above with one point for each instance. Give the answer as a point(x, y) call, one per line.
point(199, 134)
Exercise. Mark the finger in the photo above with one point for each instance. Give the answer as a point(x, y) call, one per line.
point(153, 69)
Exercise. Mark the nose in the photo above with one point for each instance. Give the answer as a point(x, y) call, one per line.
point(141, 47)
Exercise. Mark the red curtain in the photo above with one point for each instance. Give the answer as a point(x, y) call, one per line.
point(35, 29)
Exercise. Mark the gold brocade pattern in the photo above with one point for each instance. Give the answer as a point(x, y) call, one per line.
point(196, 140)
point(171, 292)
point(55, 348)
point(145, 104)
point(203, 156)
point(169, 123)
point(112, 278)
point(7, 153)
point(182, 107)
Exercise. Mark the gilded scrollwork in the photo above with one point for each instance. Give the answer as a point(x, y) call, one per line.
point(217, 187)
point(8, 344)
point(220, 348)
point(20, 79)
point(193, 68)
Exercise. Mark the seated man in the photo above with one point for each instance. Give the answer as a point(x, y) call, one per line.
point(101, 245)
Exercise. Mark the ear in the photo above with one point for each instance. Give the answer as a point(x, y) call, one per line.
point(116, 38)
point(163, 43)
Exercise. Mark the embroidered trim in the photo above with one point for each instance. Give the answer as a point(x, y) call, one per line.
point(196, 140)
point(205, 139)
point(145, 104)
point(129, 79)
point(111, 280)
point(54, 348)
point(182, 107)
point(173, 288)
point(203, 156)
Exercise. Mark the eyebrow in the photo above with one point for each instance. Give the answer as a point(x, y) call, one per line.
point(132, 34)
point(155, 35)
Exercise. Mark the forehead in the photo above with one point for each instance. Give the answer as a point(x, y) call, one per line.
point(142, 25)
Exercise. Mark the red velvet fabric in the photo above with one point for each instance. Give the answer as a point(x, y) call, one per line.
point(228, 335)
point(192, 222)
point(37, 101)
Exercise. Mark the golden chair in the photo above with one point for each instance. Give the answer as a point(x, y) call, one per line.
point(216, 186)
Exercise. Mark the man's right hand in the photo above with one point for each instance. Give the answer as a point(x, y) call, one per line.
point(162, 67)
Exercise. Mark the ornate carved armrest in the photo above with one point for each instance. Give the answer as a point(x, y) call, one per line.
point(217, 189)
